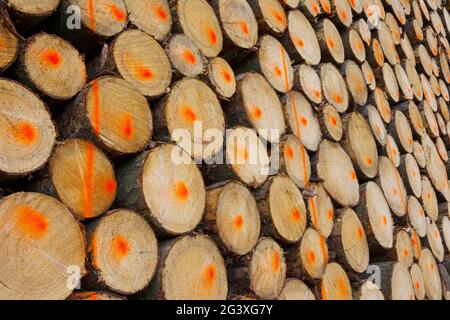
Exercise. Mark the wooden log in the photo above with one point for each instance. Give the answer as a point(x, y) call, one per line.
point(169, 171)
point(406, 92)
point(369, 76)
point(111, 113)
point(10, 42)
point(391, 151)
point(343, 16)
point(376, 124)
point(400, 129)
point(418, 281)
point(27, 131)
point(445, 95)
point(410, 170)
point(330, 42)
point(369, 291)
point(206, 277)
point(434, 240)
point(335, 284)
point(222, 78)
point(40, 232)
point(387, 44)
point(321, 210)
point(416, 216)
point(424, 60)
point(121, 246)
point(236, 233)
point(330, 123)
point(412, 113)
point(406, 50)
point(440, 146)
point(414, 78)
point(445, 278)
point(393, 26)
point(429, 122)
point(127, 57)
point(429, 199)
point(185, 57)
point(334, 87)
point(261, 273)
point(354, 46)
point(270, 16)
point(296, 289)
point(361, 26)
point(432, 279)
point(445, 226)
point(295, 161)
point(387, 80)
point(313, 8)
point(26, 15)
point(445, 68)
point(356, 83)
point(393, 187)
point(308, 81)
point(419, 154)
point(378, 99)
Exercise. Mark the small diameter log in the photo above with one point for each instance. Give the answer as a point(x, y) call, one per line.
point(409, 169)
point(221, 77)
point(369, 76)
point(429, 199)
point(330, 42)
point(376, 124)
point(440, 146)
point(378, 99)
point(334, 87)
point(404, 83)
point(311, 8)
point(432, 279)
point(9, 44)
point(330, 123)
point(443, 108)
point(363, 29)
point(232, 218)
point(430, 122)
point(360, 145)
point(356, 83)
point(387, 80)
point(445, 68)
point(418, 281)
point(428, 92)
point(270, 16)
point(343, 15)
point(52, 67)
point(161, 183)
point(444, 92)
point(376, 218)
point(256, 104)
point(349, 241)
point(401, 132)
point(396, 282)
point(424, 60)
point(445, 278)
point(81, 176)
point(187, 112)
point(128, 57)
point(391, 151)
point(296, 289)
point(150, 16)
point(321, 210)
point(282, 209)
point(295, 161)
point(261, 273)
point(308, 259)
point(431, 41)
point(414, 79)
point(189, 268)
point(307, 80)
point(302, 120)
point(393, 187)
point(112, 113)
point(27, 14)
point(185, 57)
point(335, 284)
point(416, 216)
point(442, 127)
point(413, 30)
point(392, 24)
point(26, 131)
point(436, 169)
point(354, 46)
point(35, 224)
point(336, 170)
point(410, 110)
point(375, 55)
point(122, 253)
point(301, 41)
point(406, 50)
point(95, 295)
point(445, 226)
point(434, 240)
point(369, 291)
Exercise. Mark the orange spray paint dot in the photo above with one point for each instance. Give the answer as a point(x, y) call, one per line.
point(120, 247)
point(338, 98)
point(51, 58)
point(369, 161)
point(238, 222)
point(31, 222)
point(181, 191)
point(227, 76)
point(212, 36)
point(25, 133)
point(332, 120)
point(417, 285)
point(311, 256)
point(189, 56)
point(395, 191)
point(88, 185)
point(330, 43)
point(360, 233)
point(385, 220)
point(161, 13)
point(300, 42)
point(289, 152)
point(303, 121)
point(280, 17)
point(209, 276)
point(118, 13)
point(317, 94)
point(275, 261)
point(406, 252)
point(325, 7)
point(353, 174)
point(110, 186)
point(256, 113)
point(188, 114)
point(277, 71)
point(296, 215)
point(144, 74)
point(315, 8)
point(330, 214)
point(343, 15)
point(127, 128)
point(244, 28)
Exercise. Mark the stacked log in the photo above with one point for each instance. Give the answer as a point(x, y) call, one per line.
point(224, 149)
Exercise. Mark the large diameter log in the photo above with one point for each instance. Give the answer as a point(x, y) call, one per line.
point(150, 16)
point(335, 168)
point(52, 67)
point(189, 268)
point(160, 184)
point(282, 209)
point(393, 26)
point(349, 241)
point(295, 161)
point(27, 14)
point(330, 42)
point(432, 279)
point(112, 113)
point(321, 210)
point(232, 218)
point(40, 239)
point(296, 289)
point(360, 145)
point(270, 16)
point(302, 120)
point(334, 87)
point(122, 253)
point(9, 43)
point(260, 273)
point(387, 44)
point(387, 80)
point(188, 112)
point(335, 284)
point(393, 187)
point(185, 57)
point(256, 104)
point(127, 56)
point(26, 130)
point(81, 176)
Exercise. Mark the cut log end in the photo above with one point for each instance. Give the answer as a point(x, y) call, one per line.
point(296, 161)
point(432, 279)
point(185, 56)
point(321, 210)
point(295, 289)
point(418, 281)
point(370, 291)
point(335, 284)
point(9, 45)
point(393, 187)
point(309, 81)
point(222, 77)
point(334, 87)
point(332, 123)
point(313, 254)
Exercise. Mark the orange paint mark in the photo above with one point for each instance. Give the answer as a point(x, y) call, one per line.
point(436, 234)
point(360, 234)
point(330, 214)
point(323, 249)
point(342, 14)
point(277, 71)
point(342, 287)
point(118, 13)
point(406, 252)
point(238, 222)
point(275, 261)
point(325, 6)
point(31, 222)
point(93, 297)
point(311, 256)
point(280, 17)
point(370, 77)
point(51, 58)
point(93, 250)
point(337, 98)
point(144, 74)
point(227, 76)
point(96, 107)
point(119, 248)
point(25, 133)
point(385, 220)
point(91, 15)
point(352, 3)
point(315, 8)
point(353, 175)
point(110, 186)
point(161, 13)
point(417, 285)
point(300, 42)
point(212, 36)
point(181, 191)
point(244, 28)
point(330, 43)
point(323, 291)
point(189, 56)
point(296, 215)
point(88, 186)
point(209, 276)
point(303, 121)
point(188, 114)
point(317, 93)
point(289, 152)
point(127, 128)
point(240, 153)
point(369, 161)
point(256, 113)
point(312, 205)
point(332, 120)
point(395, 191)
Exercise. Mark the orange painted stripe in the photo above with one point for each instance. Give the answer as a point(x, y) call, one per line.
point(96, 110)
point(91, 15)
point(313, 212)
point(294, 106)
point(89, 181)
point(396, 176)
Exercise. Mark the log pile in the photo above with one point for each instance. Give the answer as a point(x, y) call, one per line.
point(224, 149)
